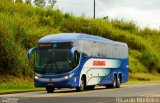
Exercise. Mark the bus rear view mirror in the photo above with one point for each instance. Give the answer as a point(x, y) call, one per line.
point(30, 52)
point(72, 52)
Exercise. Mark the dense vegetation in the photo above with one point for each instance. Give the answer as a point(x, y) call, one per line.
point(22, 25)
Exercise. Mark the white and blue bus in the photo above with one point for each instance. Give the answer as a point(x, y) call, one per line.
point(81, 61)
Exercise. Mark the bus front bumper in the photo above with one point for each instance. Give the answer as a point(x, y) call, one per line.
point(64, 82)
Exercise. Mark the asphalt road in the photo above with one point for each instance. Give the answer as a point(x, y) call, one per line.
point(127, 93)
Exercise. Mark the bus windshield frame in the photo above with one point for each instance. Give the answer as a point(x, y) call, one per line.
point(53, 58)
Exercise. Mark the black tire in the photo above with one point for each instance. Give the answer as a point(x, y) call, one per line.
point(82, 86)
point(118, 82)
point(50, 89)
point(114, 83)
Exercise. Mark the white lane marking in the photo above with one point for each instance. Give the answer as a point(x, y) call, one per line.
point(145, 95)
point(151, 94)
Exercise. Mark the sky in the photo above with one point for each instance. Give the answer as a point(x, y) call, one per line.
point(145, 13)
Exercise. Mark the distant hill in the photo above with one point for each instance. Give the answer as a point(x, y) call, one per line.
point(22, 25)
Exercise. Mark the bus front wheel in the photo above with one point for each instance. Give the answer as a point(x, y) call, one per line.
point(82, 85)
point(50, 89)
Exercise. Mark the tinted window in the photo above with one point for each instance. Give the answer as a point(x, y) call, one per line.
point(95, 49)
point(53, 58)
point(102, 50)
point(87, 48)
point(67, 45)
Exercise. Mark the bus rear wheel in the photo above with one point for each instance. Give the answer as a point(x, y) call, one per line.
point(118, 82)
point(50, 89)
point(114, 83)
point(82, 85)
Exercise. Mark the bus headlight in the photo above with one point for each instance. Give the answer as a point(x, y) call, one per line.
point(66, 77)
point(36, 77)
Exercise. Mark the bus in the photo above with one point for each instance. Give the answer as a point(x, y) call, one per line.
point(81, 61)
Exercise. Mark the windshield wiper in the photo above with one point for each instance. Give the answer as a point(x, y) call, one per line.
point(69, 62)
point(54, 61)
point(56, 65)
point(46, 65)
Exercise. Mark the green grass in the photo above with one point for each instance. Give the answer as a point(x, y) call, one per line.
point(22, 25)
point(20, 90)
point(140, 78)
point(141, 82)
point(10, 84)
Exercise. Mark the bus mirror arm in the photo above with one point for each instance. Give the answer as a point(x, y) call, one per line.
point(84, 56)
point(31, 51)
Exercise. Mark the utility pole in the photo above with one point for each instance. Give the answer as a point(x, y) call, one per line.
point(94, 9)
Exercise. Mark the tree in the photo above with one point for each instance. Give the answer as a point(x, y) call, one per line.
point(106, 17)
point(52, 2)
point(18, 1)
point(39, 3)
point(28, 1)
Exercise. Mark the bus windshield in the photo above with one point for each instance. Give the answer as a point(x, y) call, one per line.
point(53, 59)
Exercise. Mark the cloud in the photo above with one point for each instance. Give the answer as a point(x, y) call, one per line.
point(139, 4)
point(142, 18)
point(77, 7)
point(143, 12)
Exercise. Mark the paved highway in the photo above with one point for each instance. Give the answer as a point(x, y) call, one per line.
point(99, 95)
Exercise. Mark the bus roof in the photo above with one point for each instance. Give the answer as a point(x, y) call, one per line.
point(68, 37)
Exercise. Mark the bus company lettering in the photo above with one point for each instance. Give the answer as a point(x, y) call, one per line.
point(99, 63)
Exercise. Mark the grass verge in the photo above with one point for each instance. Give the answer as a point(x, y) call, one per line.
point(140, 78)
point(11, 84)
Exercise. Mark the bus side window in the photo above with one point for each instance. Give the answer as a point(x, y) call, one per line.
point(122, 52)
point(117, 51)
point(102, 50)
point(113, 50)
point(94, 49)
point(87, 48)
point(109, 50)
point(126, 52)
